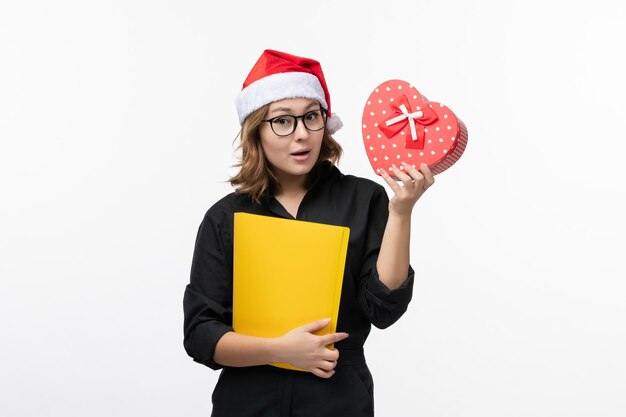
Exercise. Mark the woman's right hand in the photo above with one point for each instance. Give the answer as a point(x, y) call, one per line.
point(305, 350)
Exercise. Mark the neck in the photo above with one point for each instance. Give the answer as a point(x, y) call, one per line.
point(291, 185)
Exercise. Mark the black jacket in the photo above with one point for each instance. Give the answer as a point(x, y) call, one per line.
point(333, 198)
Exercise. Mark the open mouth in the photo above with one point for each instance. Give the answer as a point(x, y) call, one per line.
point(301, 153)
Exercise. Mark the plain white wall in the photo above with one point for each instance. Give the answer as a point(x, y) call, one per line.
point(117, 124)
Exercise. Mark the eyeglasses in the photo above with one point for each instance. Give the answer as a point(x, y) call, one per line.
point(285, 125)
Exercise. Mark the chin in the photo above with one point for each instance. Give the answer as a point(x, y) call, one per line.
point(296, 171)
point(302, 170)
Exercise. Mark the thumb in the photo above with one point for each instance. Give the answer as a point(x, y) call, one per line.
point(314, 326)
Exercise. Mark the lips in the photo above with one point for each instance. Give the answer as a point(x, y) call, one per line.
point(302, 155)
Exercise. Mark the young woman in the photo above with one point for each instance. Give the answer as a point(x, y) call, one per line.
point(287, 170)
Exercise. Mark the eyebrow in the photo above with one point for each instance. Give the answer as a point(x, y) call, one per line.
point(287, 109)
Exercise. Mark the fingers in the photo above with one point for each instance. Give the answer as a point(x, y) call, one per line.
point(327, 365)
point(323, 373)
point(413, 177)
point(333, 338)
point(390, 181)
point(428, 175)
point(314, 326)
point(325, 369)
point(330, 355)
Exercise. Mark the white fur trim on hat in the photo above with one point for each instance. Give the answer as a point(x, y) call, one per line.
point(277, 87)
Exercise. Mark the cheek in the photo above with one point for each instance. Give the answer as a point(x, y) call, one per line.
point(318, 143)
point(271, 149)
point(268, 144)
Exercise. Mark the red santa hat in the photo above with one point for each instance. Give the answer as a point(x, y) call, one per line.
point(278, 75)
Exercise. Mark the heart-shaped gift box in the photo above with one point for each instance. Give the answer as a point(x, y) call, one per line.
point(401, 125)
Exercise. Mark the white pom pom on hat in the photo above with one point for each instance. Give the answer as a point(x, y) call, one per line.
point(276, 76)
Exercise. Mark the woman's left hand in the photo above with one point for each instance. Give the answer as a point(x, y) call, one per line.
point(413, 184)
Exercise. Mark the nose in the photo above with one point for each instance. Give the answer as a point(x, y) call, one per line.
point(301, 131)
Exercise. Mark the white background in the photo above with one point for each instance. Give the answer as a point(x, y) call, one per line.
point(117, 124)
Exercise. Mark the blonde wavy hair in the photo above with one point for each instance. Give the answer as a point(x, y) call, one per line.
point(255, 176)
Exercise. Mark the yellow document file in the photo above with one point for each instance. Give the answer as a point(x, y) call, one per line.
point(287, 273)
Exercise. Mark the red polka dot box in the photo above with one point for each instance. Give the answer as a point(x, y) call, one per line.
point(401, 125)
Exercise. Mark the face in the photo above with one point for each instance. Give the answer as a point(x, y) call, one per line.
point(292, 157)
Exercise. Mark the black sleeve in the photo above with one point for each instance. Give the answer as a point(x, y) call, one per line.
point(207, 303)
point(380, 304)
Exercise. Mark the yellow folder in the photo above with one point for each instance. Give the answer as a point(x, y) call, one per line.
point(287, 273)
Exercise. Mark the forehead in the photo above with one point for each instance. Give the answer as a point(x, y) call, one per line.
point(293, 105)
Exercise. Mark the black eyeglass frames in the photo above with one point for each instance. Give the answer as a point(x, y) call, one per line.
point(285, 125)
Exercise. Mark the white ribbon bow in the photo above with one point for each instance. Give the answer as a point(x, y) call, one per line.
point(406, 115)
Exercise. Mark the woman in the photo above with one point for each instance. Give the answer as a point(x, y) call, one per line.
point(287, 170)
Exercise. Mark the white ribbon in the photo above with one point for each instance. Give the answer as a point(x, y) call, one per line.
point(406, 115)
